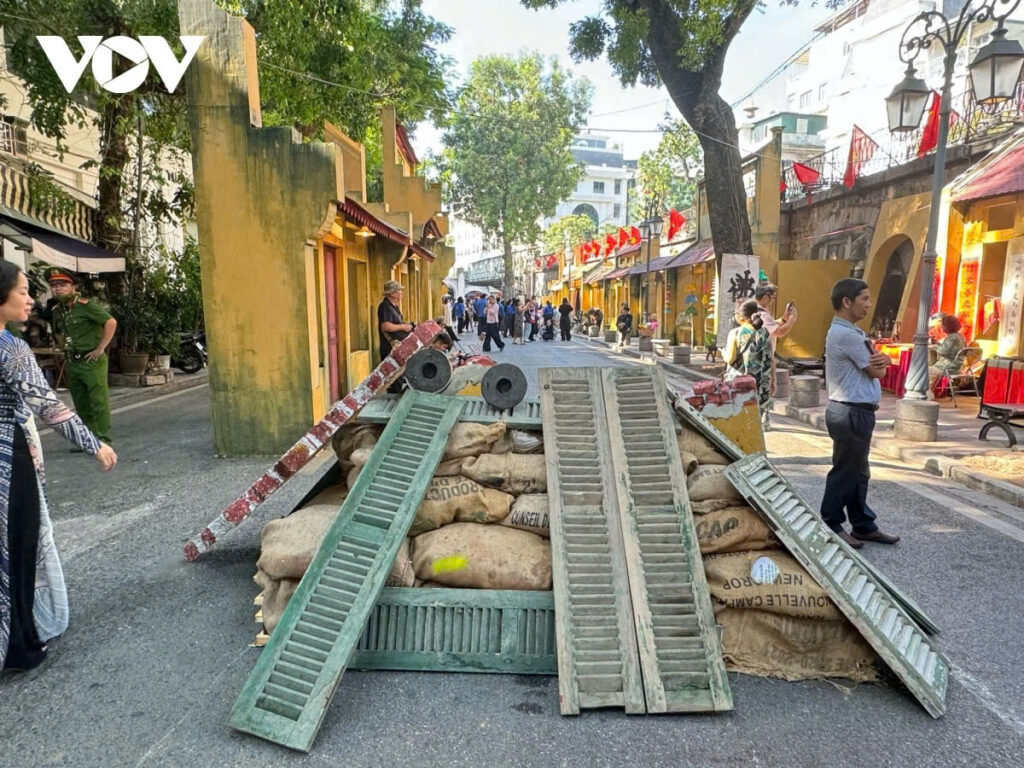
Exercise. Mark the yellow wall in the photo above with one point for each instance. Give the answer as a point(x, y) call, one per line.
point(808, 284)
point(765, 213)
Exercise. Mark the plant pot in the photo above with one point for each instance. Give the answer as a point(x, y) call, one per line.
point(134, 362)
point(162, 362)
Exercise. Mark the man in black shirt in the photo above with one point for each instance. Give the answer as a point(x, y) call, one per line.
point(624, 323)
point(391, 328)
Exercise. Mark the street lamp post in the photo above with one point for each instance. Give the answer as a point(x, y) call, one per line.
point(994, 75)
point(654, 225)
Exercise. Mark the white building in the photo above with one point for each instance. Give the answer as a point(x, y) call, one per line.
point(602, 192)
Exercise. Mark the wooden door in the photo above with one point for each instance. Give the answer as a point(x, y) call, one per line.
point(331, 297)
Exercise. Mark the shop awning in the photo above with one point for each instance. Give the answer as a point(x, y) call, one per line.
point(695, 254)
point(1004, 177)
point(657, 264)
point(357, 213)
point(617, 274)
point(599, 273)
point(58, 249)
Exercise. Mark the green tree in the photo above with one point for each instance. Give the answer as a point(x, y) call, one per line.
point(507, 158)
point(680, 44)
point(669, 172)
point(573, 229)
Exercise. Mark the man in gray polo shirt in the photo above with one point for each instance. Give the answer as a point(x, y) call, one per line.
point(852, 370)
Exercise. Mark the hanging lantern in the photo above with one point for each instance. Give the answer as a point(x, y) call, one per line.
point(905, 105)
point(996, 69)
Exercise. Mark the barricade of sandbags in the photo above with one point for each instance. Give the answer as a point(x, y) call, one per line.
point(483, 557)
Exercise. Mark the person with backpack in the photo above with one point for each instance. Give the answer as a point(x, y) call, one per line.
point(565, 320)
point(748, 350)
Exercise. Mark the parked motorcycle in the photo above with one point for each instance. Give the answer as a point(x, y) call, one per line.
point(191, 355)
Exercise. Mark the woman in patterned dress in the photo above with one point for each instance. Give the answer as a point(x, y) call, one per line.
point(748, 351)
point(33, 600)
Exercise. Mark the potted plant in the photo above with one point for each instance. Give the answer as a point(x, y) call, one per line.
point(148, 313)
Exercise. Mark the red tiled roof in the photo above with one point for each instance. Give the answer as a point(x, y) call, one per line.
point(1005, 176)
point(360, 215)
point(695, 254)
point(599, 274)
point(405, 146)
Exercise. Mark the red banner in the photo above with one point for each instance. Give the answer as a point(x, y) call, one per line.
point(634, 235)
point(805, 174)
point(676, 221)
point(862, 149)
point(623, 237)
point(930, 134)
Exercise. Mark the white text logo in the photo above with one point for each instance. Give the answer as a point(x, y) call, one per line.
point(147, 49)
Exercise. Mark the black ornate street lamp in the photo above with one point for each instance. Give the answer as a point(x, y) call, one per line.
point(994, 75)
point(653, 226)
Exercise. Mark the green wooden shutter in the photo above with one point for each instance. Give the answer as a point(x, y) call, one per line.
point(866, 602)
point(288, 692)
point(680, 649)
point(526, 415)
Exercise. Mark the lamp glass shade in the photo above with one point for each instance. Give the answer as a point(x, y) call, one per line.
point(995, 71)
point(656, 223)
point(906, 104)
point(645, 229)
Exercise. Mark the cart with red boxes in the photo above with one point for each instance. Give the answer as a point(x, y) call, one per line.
point(1002, 397)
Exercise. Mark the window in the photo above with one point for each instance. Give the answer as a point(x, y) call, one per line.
point(598, 187)
point(13, 138)
point(618, 188)
point(805, 99)
point(1001, 216)
point(791, 100)
point(616, 209)
point(821, 92)
point(801, 125)
point(847, 49)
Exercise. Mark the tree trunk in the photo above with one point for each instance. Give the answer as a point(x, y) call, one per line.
point(509, 277)
point(117, 124)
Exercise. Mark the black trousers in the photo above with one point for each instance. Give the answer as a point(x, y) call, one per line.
point(24, 650)
point(491, 334)
point(462, 323)
point(533, 331)
point(846, 487)
point(565, 328)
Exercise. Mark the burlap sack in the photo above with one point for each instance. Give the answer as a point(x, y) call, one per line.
point(449, 468)
point(695, 443)
point(483, 557)
point(276, 594)
point(530, 513)
point(710, 505)
point(767, 581)
point(353, 475)
point(527, 442)
point(709, 482)
point(468, 439)
point(503, 446)
point(689, 461)
point(287, 545)
point(794, 648)
point(512, 472)
point(360, 456)
point(352, 436)
point(458, 498)
point(733, 529)
point(402, 574)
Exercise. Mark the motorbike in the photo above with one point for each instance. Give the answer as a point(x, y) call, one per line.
point(191, 355)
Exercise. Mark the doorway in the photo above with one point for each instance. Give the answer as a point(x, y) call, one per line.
point(890, 295)
point(359, 313)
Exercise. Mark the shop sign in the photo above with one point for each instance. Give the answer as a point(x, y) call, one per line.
point(1012, 299)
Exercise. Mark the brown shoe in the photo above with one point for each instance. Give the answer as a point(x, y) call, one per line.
point(842, 534)
point(877, 537)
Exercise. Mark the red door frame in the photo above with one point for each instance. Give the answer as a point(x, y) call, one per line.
point(331, 295)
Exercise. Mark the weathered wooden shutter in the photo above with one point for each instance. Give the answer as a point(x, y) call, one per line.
point(289, 690)
point(866, 602)
point(526, 415)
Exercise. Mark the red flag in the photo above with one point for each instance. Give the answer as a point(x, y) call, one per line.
point(552, 260)
point(676, 221)
point(609, 243)
point(930, 134)
point(782, 185)
point(623, 237)
point(862, 149)
point(585, 250)
point(634, 235)
point(805, 174)
point(595, 248)
point(536, 263)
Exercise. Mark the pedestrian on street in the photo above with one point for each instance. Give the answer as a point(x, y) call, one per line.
point(624, 323)
point(765, 295)
point(599, 317)
point(565, 320)
point(446, 309)
point(548, 311)
point(459, 310)
point(480, 307)
point(391, 327)
point(509, 317)
point(852, 370)
point(531, 318)
point(33, 600)
point(84, 330)
point(519, 321)
point(748, 350)
point(492, 317)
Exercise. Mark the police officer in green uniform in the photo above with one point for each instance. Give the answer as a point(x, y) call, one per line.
point(84, 329)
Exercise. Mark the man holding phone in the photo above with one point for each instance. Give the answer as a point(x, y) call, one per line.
point(852, 369)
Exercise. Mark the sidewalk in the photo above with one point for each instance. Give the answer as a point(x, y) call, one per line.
point(989, 467)
point(122, 396)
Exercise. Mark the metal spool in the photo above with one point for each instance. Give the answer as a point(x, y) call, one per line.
point(429, 370)
point(503, 386)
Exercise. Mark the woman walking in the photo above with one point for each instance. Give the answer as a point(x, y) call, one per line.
point(748, 351)
point(518, 322)
point(492, 318)
point(565, 319)
point(33, 600)
point(531, 318)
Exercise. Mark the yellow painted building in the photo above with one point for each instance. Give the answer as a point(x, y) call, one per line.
point(293, 257)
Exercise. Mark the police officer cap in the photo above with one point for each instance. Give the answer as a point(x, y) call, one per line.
point(56, 274)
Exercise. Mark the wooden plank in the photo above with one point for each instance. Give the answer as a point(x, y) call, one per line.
point(288, 692)
point(586, 548)
point(666, 574)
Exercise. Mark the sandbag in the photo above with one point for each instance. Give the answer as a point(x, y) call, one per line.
point(693, 442)
point(469, 439)
point(733, 529)
point(353, 475)
point(527, 442)
point(276, 594)
point(767, 581)
point(483, 557)
point(351, 437)
point(530, 513)
point(449, 468)
point(402, 574)
point(360, 456)
point(503, 446)
point(512, 472)
point(709, 482)
point(287, 545)
point(689, 461)
point(458, 498)
point(710, 505)
point(794, 648)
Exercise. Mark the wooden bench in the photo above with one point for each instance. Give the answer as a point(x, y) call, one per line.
point(1003, 416)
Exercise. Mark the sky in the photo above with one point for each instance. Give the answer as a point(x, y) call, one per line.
point(481, 27)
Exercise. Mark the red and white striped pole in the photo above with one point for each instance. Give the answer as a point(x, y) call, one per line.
point(313, 441)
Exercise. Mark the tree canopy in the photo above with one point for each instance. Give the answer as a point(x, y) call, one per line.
point(573, 229)
point(507, 159)
point(669, 172)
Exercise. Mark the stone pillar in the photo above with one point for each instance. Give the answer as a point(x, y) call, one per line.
point(917, 420)
point(782, 383)
point(611, 336)
point(804, 391)
point(594, 331)
point(681, 354)
point(646, 344)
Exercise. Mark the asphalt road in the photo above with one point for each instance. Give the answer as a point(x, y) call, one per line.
point(158, 648)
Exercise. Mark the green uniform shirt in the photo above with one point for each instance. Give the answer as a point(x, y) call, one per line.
point(80, 326)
